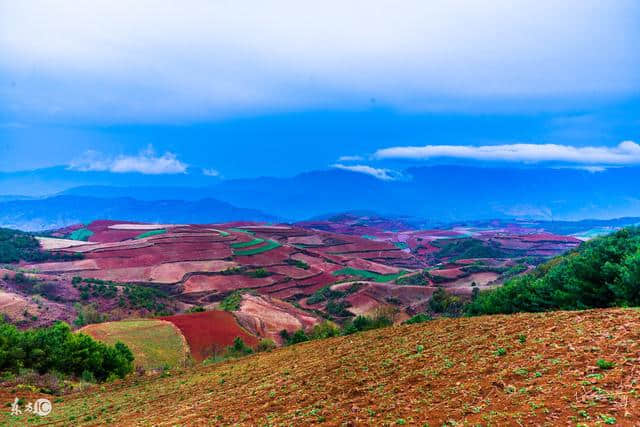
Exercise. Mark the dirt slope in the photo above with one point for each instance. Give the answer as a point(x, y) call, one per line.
point(449, 370)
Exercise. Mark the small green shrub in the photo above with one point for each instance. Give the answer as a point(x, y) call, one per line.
point(266, 344)
point(418, 318)
point(232, 302)
point(605, 365)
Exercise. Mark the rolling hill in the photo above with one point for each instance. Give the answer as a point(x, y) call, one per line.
point(525, 369)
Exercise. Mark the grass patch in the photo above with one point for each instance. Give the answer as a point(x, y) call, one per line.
point(240, 230)
point(271, 244)
point(250, 243)
point(151, 233)
point(154, 343)
point(365, 274)
point(81, 234)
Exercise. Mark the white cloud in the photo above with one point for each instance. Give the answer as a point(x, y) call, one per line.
point(210, 172)
point(153, 59)
point(625, 153)
point(382, 174)
point(146, 162)
point(350, 158)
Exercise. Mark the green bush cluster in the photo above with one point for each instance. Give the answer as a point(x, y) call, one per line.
point(420, 279)
point(57, 349)
point(133, 296)
point(328, 329)
point(17, 245)
point(232, 302)
point(603, 272)
point(467, 248)
point(297, 263)
point(418, 318)
point(444, 303)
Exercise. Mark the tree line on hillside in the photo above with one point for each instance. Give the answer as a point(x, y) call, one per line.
point(18, 246)
point(603, 272)
point(58, 349)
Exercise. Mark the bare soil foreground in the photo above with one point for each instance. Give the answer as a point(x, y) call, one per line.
point(563, 368)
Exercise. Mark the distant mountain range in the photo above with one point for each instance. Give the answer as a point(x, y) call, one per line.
point(432, 194)
point(59, 211)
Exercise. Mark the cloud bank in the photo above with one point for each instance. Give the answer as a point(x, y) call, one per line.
point(159, 59)
point(146, 162)
point(379, 173)
point(625, 153)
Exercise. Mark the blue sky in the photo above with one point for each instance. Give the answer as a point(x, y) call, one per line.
point(280, 88)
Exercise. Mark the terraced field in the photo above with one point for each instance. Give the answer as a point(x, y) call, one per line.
point(369, 275)
point(562, 368)
point(202, 264)
point(208, 333)
point(154, 343)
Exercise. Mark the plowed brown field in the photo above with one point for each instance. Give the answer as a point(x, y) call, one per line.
point(447, 371)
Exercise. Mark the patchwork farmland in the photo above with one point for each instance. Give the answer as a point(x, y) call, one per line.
point(284, 276)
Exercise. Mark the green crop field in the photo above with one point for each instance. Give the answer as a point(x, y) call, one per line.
point(154, 343)
point(271, 244)
point(240, 230)
point(82, 234)
point(365, 274)
point(151, 233)
point(253, 242)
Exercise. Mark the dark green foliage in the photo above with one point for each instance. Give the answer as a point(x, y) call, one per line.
point(338, 308)
point(266, 344)
point(231, 302)
point(258, 273)
point(17, 245)
point(88, 314)
point(421, 279)
point(474, 293)
point(445, 303)
point(327, 294)
point(324, 330)
point(364, 323)
point(58, 349)
point(603, 272)
point(238, 349)
point(297, 263)
point(295, 338)
point(604, 365)
point(133, 296)
point(196, 309)
point(324, 294)
point(232, 270)
point(467, 248)
point(144, 297)
point(418, 318)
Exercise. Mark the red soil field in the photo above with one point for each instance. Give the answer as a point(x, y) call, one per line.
point(294, 272)
point(362, 264)
point(266, 317)
point(224, 283)
point(449, 273)
point(102, 233)
point(265, 259)
point(209, 332)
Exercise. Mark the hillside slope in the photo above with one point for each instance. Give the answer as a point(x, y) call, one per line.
point(449, 370)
